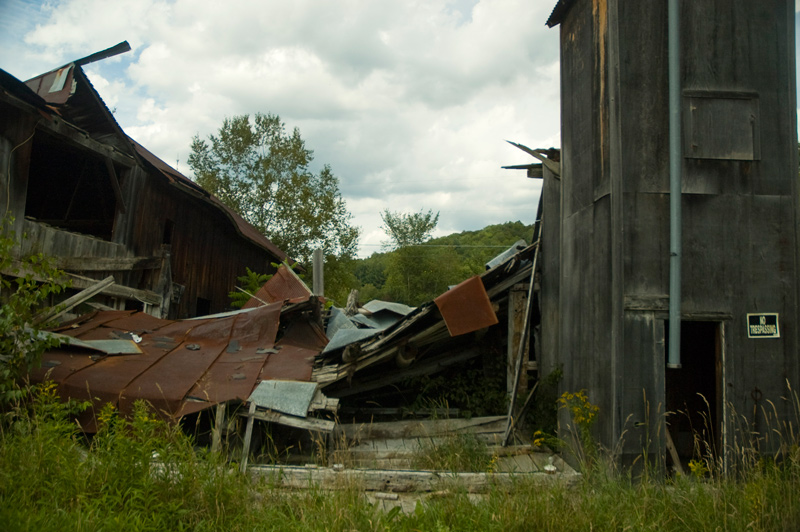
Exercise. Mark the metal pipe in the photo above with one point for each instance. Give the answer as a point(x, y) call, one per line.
point(675, 164)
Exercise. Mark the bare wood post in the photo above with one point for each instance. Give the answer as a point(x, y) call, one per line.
point(164, 283)
point(673, 452)
point(319, 273)
point(351, 309)
point(524, 340)
point(248, 435)
point(219, 422)
point(59, 310)
point(516, 315)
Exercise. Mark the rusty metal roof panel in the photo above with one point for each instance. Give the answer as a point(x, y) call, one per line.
point(21, 91)
point(59, 364)
point(291, 363)
point(282, 286)
point(466, 307)
point(55, 87)
point(83, 324)
point(235, 373)
point(138, 323)
point(186, 365)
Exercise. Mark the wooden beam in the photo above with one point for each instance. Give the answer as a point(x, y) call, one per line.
point(216, 434)
point(308, 423)
point(394, 481)
point(248, 435)
point(82, 139)
point(107, 264)
point(422, 428)
point(423, 367)
point(72, 302)
point(115, 290)
point(673, 452)
point(112, 175)
point(516, 314)
point(525, 335)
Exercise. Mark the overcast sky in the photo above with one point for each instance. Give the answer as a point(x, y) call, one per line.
point(408, 101)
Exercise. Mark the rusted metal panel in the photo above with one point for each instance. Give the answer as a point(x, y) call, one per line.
point(170, 379)
point(284, 285)
point(138, 323)
point(466, 307)
point(290, 363)
point(185, 366)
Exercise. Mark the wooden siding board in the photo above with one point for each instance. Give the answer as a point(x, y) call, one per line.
point(646, 232)
point(551, 270)
point(643, 93)
point(740, 217)
point(643, 385)
point(577, 92)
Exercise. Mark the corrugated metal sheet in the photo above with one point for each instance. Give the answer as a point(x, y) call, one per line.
point(466, 307)
point(188, 365)
point(284, 285)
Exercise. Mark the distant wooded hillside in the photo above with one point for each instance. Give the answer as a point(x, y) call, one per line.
point(440, 262)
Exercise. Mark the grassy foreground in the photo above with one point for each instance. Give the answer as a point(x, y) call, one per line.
point(142, 474)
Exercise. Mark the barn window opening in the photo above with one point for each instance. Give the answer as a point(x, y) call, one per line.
point(203, 307)
point(169, 225)
point(70, 188)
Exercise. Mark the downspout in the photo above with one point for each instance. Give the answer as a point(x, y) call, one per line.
point(675, 164)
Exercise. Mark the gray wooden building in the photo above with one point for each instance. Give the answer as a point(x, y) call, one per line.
point(102, 205)
point(606, 229)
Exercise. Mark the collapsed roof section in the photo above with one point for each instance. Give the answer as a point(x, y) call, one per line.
point(188, 365)
point(68, 93)
point(415, 341)
point(182, 367)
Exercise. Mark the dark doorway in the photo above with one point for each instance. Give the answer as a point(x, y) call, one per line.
point(693, 392)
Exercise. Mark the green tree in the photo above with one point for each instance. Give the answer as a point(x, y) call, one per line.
point(416, 273)
point(34, 280)
point(262, 172)
point(408, 229)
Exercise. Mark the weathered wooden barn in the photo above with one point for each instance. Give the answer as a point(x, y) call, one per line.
point(607, 221)
point(101, 204)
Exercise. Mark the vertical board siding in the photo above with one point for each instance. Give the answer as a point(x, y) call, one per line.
point(740, 218)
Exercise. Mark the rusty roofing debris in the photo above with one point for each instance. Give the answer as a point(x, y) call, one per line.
point(284, 285)
point(190, 365)
point(186, 365)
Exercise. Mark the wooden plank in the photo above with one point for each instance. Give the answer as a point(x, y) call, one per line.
point(401, 481)
point(248, 436)
point(673, 452)
point(516, 314)
point(109, 264)
point(145, 296)
point(523, 340)
point(219, 422)
point(310, 423)
point(80, 138)
point(72, 302)
point(112, 175)
point(423, 367)
point(421, 428)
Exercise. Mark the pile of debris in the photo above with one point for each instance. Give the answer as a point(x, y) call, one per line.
point(284, 360)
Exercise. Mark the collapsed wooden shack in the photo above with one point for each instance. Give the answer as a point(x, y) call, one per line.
point(273, 365)
point(102, 205)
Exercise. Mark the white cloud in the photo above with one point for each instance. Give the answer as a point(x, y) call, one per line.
point(409, 102)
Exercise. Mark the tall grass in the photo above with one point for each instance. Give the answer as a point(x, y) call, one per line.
point(142, 474)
